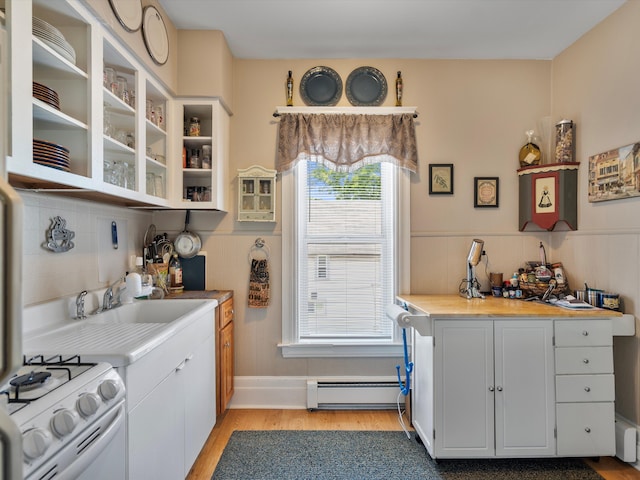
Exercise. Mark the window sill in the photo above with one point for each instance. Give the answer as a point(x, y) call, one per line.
point(304, 350)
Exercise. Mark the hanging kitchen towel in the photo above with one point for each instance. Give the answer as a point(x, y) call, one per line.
point(259, 284)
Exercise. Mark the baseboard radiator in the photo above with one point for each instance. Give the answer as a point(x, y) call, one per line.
point(352, 394)
point(626, 440)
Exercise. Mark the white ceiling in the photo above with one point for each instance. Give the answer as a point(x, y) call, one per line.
point(435, 29)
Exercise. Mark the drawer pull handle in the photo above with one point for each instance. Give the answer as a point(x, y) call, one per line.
point(588, 430)
point(586, 360)
point(585, 333)
point(587, 389)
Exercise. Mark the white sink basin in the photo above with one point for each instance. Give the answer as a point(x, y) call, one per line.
point(119, 336)
point(148, 311)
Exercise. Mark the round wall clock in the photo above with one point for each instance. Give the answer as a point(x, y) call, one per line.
point(155, 35)
point(128, 13)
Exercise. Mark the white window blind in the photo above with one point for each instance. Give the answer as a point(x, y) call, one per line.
point(345, 233)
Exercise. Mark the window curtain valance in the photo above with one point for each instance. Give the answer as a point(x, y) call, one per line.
point(345, 142)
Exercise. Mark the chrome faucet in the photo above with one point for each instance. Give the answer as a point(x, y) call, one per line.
point(108, 297)
point(80, 305)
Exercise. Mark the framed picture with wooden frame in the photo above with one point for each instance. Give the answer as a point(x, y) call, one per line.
point(486, 192)
point(440, 179)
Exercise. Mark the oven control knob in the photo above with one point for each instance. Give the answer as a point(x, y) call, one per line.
point(109, 389)
point(63, 422)
point(36, 442)
point(88, 404)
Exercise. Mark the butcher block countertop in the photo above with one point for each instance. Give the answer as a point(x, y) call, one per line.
point(219, 295)
point(455, 306)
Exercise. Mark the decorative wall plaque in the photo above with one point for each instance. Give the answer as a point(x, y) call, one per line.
point(58, 237)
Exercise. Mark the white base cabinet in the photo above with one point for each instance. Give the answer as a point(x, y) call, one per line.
point(514, 388)
point(493, 389)
point(171, 403)
point(585, 388)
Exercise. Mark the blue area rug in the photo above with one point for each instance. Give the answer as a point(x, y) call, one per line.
point(370, 455)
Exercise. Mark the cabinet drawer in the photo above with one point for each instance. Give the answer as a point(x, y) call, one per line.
point(585, 388)
point(584, 360)
point(578, 333)
point(586, 429)
point(227, 312)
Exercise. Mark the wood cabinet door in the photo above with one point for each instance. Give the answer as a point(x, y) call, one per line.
point(226, 365)
point(524, 388)
point(464, 397)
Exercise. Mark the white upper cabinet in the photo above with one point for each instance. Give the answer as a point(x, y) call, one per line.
point(87, 116)
point(201, 176)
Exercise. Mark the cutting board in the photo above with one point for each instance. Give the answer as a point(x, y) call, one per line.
point(194, 272)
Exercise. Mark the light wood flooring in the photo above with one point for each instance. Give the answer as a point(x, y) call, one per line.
point(608, 467)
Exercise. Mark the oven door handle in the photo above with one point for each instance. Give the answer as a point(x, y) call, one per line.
point(91, 453)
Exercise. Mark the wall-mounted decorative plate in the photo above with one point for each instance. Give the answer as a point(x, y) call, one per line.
point(128, 13)
point(366, 86)
point(154, 32)
point(321, 86)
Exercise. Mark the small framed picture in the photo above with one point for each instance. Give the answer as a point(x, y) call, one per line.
point(440, 179)
point(486, 192)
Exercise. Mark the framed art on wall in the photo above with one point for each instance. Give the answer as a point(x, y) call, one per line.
point(440, 179)
point(614, 174)
point(486, 192)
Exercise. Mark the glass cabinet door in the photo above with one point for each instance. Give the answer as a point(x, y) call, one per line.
point(256, 189)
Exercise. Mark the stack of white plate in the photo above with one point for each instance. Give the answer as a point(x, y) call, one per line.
point(52, 37)
point(51, 155)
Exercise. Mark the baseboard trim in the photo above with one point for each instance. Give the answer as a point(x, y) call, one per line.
point(270, 392)
point(277, 392)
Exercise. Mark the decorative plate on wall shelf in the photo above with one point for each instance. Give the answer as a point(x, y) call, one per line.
point(366, 86)
point(154, 33)
point(128, 13)
point(321, 86)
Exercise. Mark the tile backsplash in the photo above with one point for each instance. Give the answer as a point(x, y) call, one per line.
point(93, 262)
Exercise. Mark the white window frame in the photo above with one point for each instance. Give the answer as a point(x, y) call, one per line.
point(289, 345)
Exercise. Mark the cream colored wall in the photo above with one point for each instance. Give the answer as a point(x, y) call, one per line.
point(167, 73)
point(205, 65)
point(472, 114)
point(594, 83)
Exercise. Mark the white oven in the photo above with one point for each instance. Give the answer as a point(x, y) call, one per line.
point(71, 416)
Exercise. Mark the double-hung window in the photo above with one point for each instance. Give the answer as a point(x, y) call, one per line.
point(344, 241)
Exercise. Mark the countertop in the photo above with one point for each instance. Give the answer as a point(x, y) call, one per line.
point(455, 306)
point(219, 295)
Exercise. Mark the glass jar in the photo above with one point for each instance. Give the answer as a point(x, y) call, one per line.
point(565, 141)
point(123, 89)
point(530, 152)
point(194, 127)
point(206, 157)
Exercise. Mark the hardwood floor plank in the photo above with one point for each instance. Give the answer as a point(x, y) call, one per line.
point(610, 468)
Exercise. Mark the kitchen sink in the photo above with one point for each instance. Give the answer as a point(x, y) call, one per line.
point(148, 311)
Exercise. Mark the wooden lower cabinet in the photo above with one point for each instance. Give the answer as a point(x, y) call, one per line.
point(224, 355)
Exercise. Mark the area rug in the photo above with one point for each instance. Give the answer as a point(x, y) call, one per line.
point(370, 455)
